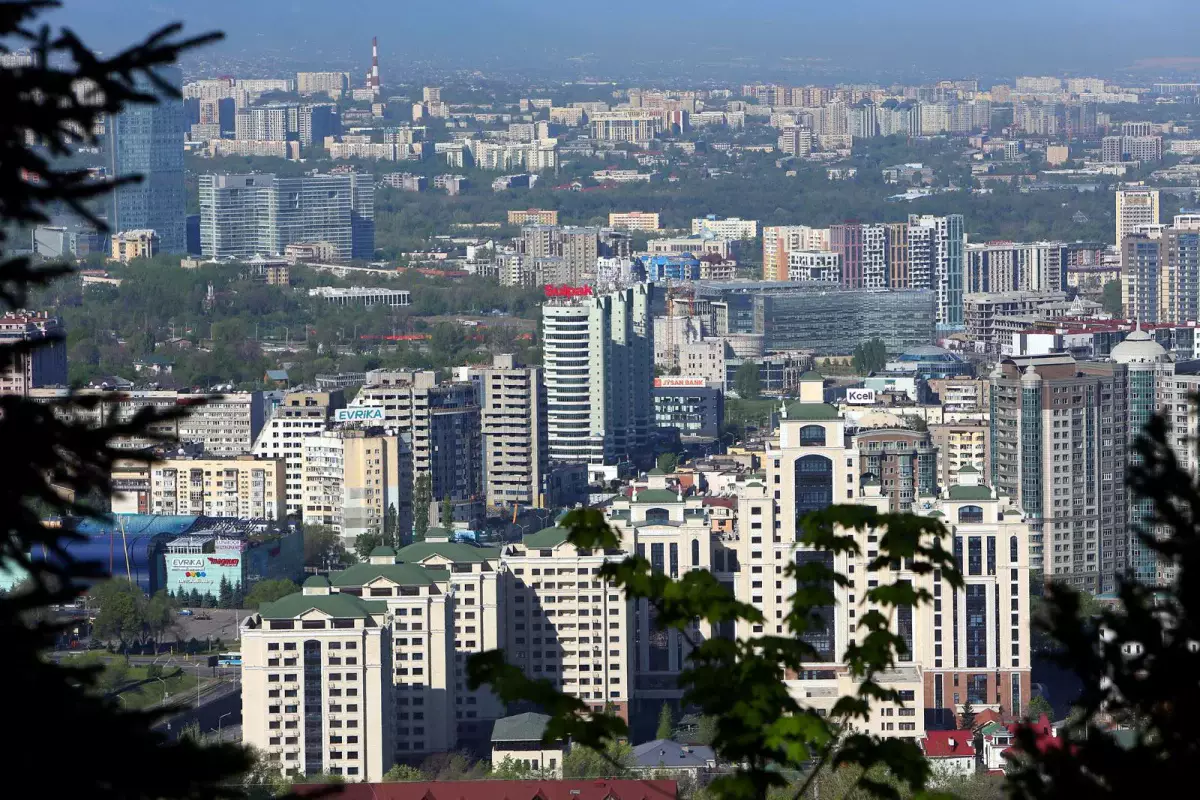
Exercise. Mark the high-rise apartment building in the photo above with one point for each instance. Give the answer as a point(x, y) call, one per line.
point(779, 241)
point(442, 422)
point(512, 401)
point(147, 140)
point(725, 228)
point(317, 694)
point(636, 126)
point(246, 487)
point(946, 261)
point(1160, 272)
point(45, 364)
point(599, 368)
point(1016, 266)
point(1131, 148)
point(1135, 208)
point(901, 461)
point(301, 414)
point(1058, 447)
point(357, 481)
point(959, 445)
point(333, 84)
point(247, 215)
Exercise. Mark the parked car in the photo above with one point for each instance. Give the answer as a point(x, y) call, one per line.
point(185, 612)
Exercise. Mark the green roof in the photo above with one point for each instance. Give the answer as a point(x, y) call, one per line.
point(657, 496)
point(811, 411)
point(936, 514)
point(656, 471)
point(968, 470)
point(546, 537)
point(437, 533)
point(970, 493)
point(342, 606)
point(993, 728)
point(753, 485)
point(400, 574)
point(454, 551)
point(317, 581)
point(527, 727)
point(812, 375)
point(383, 551)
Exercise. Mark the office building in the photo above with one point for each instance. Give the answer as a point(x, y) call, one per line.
point(634, 220)
point(365, 296)
point(147, 140)
point(599, 368)
point(781, 240)
point(299, 415)
point(442, 422)
point(727, 228)
point(357, 481)
point(53, 242)
point(244, 487)
point(1135, 208)
point(512, 402)
point(247, 215)
point(128, 245)
point(1016, 266)
point(317, 694)
point(43, 365)
point(1058, 448)
point(693, 406)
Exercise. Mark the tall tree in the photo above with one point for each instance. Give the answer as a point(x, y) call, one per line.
point(58, 446)
point(391, 527)
point(966, 718)
point(1111, 299)
point(422, 500)
point(447, 513)
point(746, 382)
point(666, 725)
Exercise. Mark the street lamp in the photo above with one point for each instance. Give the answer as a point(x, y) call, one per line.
point(166, 694)
point(223, 716)
point(197, 685)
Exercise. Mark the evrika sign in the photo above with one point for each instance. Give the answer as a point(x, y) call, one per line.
point(860, 397)
point(186, 563)
point(359, 414)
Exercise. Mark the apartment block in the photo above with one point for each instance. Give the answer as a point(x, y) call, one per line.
point(300, 415)
point(902, 462)
point(634, 220)
point(980, 312)
point(44, 365)
point(317, 694)
point(1059, 448)
point(533, 216)
point(599, 368)
point(1135, 208)
point(1016, 267)
point(636, 126)
point(357, 481)
point(1160, 272)
point(512, 402)
point(242, 486)
point(565, 624)
point(780, 241)
point(960, 445)
point(727, 228)
point(128, 245)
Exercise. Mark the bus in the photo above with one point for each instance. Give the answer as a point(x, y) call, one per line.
point(229, 660)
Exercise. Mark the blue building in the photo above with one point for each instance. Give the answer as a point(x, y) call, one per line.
point(148, 141)
point(932, 363)
point(671, 266)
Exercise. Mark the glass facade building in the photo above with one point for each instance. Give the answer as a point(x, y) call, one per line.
point(148, 141)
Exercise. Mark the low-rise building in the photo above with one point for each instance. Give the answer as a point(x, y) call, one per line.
point(128, 245)
point(518, 741)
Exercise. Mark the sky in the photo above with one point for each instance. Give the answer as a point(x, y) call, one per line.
point(953, 38)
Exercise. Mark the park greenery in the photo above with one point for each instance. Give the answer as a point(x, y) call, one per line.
point(869, 356)
point(64, 460)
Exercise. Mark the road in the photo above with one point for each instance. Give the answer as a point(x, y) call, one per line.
point(220, 708)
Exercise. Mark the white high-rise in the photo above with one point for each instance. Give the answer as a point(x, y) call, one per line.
point(599, 367)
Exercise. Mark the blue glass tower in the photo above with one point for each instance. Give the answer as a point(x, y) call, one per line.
point(148, 141)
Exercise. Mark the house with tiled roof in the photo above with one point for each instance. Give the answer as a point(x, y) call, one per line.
point(518, 739)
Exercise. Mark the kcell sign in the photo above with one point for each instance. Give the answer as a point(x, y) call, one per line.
point(359, 414)
point(860, 397)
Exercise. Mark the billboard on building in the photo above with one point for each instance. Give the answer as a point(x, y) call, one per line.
point(359, 414)
point(680, 382)
point(860, 397)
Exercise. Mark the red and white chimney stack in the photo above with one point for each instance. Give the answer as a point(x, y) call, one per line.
point(375, 66)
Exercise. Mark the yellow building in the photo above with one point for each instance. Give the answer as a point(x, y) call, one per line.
point(634, 220)
point(128, 245)
point(533, 216)
point(244, 486)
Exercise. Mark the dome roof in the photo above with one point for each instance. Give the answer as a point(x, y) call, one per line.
point(1139, 347)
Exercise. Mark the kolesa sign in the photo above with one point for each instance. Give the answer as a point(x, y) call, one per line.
point(360, 414)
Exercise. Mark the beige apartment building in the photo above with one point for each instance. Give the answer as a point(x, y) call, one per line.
point(355, 479)
point(634, 220)
point(421, 606)
point(479, 583)
point(565, 624)
point(781, 240)
point(242, 486)
point(301, 414)
point(513, 423)
point(316, 693)
point(533, 216)
point(128, 245)
point(960, 445)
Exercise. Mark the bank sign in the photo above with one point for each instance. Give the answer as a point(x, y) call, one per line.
point(359, 414)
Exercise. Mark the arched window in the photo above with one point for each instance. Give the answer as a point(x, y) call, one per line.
point(695, 553)
point(657, 516)
point(1012, 550)
point(812, 436)
point(814, 484)
point(970, 514)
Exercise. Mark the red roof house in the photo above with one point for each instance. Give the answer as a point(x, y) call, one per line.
point(597, 789)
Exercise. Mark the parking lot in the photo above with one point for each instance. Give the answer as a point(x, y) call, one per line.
point(222, 624)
